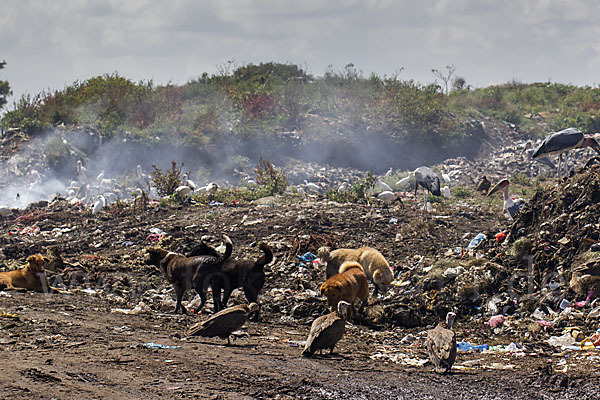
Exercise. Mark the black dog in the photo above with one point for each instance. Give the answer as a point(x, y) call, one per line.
point(246, 274)
point(190, 272)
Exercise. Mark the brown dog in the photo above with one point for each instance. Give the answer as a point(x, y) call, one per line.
point(30, 277)
point(190, 272)
point(373, 262)
point(348, 285)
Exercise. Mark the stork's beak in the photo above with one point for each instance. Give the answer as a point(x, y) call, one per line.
point(494, 189)
point(595, 145)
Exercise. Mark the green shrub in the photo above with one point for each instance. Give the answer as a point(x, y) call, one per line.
point(359, 190)
point(462, 192)
point(166, 183)
point(269, 178)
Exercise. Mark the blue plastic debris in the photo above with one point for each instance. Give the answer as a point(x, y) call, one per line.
point(466, 346)
point(151, 345)
point(307, 257)
point(476, 241)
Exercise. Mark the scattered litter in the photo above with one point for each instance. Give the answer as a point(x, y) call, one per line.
point(9, 316)
point(152, 345)
point(476, 241)
point(561, 341)
point(140, 308)
point(399, 358)
point(496, 321)
point(466, 346)
point(307, 257)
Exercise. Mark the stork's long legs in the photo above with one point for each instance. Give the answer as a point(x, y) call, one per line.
point(567, 164)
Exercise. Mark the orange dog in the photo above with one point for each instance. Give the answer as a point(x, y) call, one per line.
point(349, 284)
point(30, 277)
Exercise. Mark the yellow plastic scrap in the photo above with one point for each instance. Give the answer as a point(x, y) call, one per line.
point(431, 298)
point(9, 315)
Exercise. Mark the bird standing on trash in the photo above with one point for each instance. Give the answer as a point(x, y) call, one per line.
point(483, 185)
point(429, 181)
point(511, 205)
point(529, 150)
point(326, 331)
point(223, 323)
point(441, 344)
point(561, 142)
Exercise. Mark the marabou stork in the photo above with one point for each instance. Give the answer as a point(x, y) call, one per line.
point(542, 160)
point(429, 181)
point(511, 205)
point(562, 142)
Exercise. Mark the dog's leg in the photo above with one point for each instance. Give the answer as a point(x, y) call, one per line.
point(200, 291)
point(362, 306)
point(179, 294)
point(217, 298)
point(226, 294)
point(252, 297)
point(376, 291)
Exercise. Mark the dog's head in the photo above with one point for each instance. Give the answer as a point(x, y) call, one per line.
point(37, 262)
point(333, 292)
point(380, 280)
point(154, 256)
point(323, 253)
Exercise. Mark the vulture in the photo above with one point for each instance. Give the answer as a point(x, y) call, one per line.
point(223, 323)
point(326, 331)
point(585, 276)
point(483, 185)
point(441, 344)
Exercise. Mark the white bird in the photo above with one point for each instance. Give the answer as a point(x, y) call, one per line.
point(446, 178)
point(100, 176)
point(446, 192)
point(251, 182)
point(110, 197)
point(382, 186)
point(182, 190)
point(210, 188)
point(404, 181)
point(389, 172)
point(311, 186)
point(81, 171)
point(188, 182)
point(561, 142)
point(343, 187)
point(99, 204)
point(388, 197)
point(511, 205)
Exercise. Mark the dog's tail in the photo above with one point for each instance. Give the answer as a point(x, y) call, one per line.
point(347, 265)
point(228, 248)
point(267, 257)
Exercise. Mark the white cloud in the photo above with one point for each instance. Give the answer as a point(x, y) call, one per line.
point(51, 44)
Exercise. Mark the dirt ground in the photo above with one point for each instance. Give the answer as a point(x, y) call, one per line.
point(77, 346)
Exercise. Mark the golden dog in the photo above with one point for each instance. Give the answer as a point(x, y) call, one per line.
point(373, 262)
point(348, 285)
point(30, 277)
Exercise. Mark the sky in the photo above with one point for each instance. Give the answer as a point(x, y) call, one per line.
point(50, 44)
